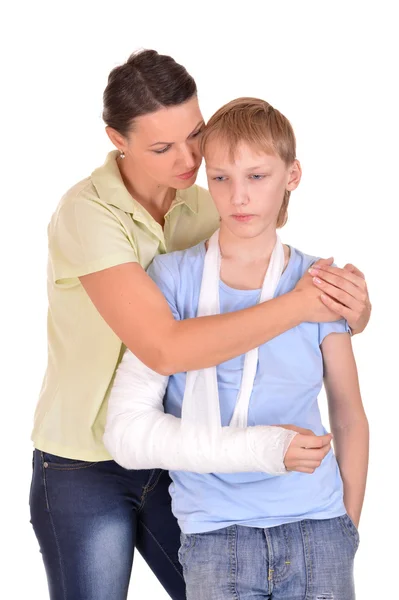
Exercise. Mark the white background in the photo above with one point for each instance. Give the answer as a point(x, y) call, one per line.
point(331, 68)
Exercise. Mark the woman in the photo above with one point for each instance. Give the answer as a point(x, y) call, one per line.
point(87, 512)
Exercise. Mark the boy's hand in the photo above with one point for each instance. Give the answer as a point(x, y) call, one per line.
point(306, 451)
point(344, 292)
point(297, 429)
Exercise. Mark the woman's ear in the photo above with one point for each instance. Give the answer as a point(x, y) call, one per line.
point(117, 139)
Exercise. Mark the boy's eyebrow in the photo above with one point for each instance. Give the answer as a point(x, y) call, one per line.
point(254, 168)
point(202, 122)
point(262, 166)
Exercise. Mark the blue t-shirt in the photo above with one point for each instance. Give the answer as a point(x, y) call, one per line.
point(288, 380)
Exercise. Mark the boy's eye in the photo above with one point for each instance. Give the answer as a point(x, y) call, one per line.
point(162, 150)
point(256, 177)
point(219, 178)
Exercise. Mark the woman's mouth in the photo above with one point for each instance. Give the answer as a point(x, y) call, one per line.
point(188, 175)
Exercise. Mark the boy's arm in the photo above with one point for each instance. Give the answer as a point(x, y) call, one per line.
point(139, 435)
point(348, 420)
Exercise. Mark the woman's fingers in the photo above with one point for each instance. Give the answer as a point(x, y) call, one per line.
point(355, 270)
point(341, 278)
point(354, 299)
point(345, 292)
point(339, 309)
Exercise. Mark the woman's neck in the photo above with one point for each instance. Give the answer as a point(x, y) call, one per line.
point(155, 198)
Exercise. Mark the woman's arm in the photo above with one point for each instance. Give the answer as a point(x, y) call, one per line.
point(136, 310)
point(348, 420)
point(139, 435)
point(87, 240)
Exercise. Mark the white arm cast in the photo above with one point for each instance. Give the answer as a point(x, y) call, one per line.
point(139, 435)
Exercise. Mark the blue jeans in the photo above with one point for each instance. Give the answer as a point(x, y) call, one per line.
point(88, 518)
point(307, 560)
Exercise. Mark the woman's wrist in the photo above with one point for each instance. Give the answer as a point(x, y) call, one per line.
point(298, 306)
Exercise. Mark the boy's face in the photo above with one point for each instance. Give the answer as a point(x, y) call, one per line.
point(248, 190)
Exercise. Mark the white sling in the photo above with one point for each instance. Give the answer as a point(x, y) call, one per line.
point(139, 435)
point(201, 396)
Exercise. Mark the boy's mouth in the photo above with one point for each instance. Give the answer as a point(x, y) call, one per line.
point(243, 218)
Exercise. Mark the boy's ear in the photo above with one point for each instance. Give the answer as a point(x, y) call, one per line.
point(295, 174)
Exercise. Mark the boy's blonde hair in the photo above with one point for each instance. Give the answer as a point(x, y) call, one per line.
point(261, 126)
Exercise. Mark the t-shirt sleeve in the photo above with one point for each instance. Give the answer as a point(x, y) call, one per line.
point(340, 326)
point(85, 237)
point(165, 277)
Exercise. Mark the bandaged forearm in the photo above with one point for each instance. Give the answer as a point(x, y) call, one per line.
point(139, 435)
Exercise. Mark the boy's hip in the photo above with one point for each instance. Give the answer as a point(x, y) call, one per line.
point(295, 560)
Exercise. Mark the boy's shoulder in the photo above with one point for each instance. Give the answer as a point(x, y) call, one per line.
point(180, 260)
point(302, 261)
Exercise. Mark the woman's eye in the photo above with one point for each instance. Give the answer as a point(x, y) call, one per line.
point(162, 150)
point(197, 133)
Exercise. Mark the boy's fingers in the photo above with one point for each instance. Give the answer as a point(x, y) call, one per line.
point(316, 441)
point(309, 464)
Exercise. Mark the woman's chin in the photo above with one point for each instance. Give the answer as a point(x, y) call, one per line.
point(181, 183)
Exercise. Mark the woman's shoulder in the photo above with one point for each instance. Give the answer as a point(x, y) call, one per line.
point(103, 189)
point(81, 195)
point(200, 200)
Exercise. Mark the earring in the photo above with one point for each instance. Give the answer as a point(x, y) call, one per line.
point(122, 154)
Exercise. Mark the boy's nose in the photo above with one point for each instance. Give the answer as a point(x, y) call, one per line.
point(239, 196)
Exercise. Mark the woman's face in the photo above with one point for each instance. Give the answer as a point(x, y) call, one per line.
point(164, 145)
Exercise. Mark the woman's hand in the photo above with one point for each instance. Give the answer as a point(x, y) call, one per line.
point(308, 299)
point(344, 292)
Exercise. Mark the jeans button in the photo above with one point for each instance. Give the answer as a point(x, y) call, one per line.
point(45, 465)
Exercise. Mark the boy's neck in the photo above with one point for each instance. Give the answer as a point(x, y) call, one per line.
point(246, 260)
point(247, 250)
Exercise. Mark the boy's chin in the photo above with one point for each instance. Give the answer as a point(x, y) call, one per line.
point(246, 230)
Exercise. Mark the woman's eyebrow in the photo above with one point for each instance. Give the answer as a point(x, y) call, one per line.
point(202, 122)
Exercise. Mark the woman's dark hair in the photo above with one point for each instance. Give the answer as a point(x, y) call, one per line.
point(146, 82)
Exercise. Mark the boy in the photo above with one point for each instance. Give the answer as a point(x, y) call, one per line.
point(252, 534)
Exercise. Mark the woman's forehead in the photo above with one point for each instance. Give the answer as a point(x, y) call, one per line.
point(169, 124)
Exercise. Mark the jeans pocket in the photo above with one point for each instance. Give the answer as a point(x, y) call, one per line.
point(60, 463)
point(350, 530)
point(187, 542)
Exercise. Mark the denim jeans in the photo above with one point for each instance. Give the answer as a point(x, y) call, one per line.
point(89, 517)
point(307, 560)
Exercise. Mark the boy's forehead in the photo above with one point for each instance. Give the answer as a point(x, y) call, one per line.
point(219, 153)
